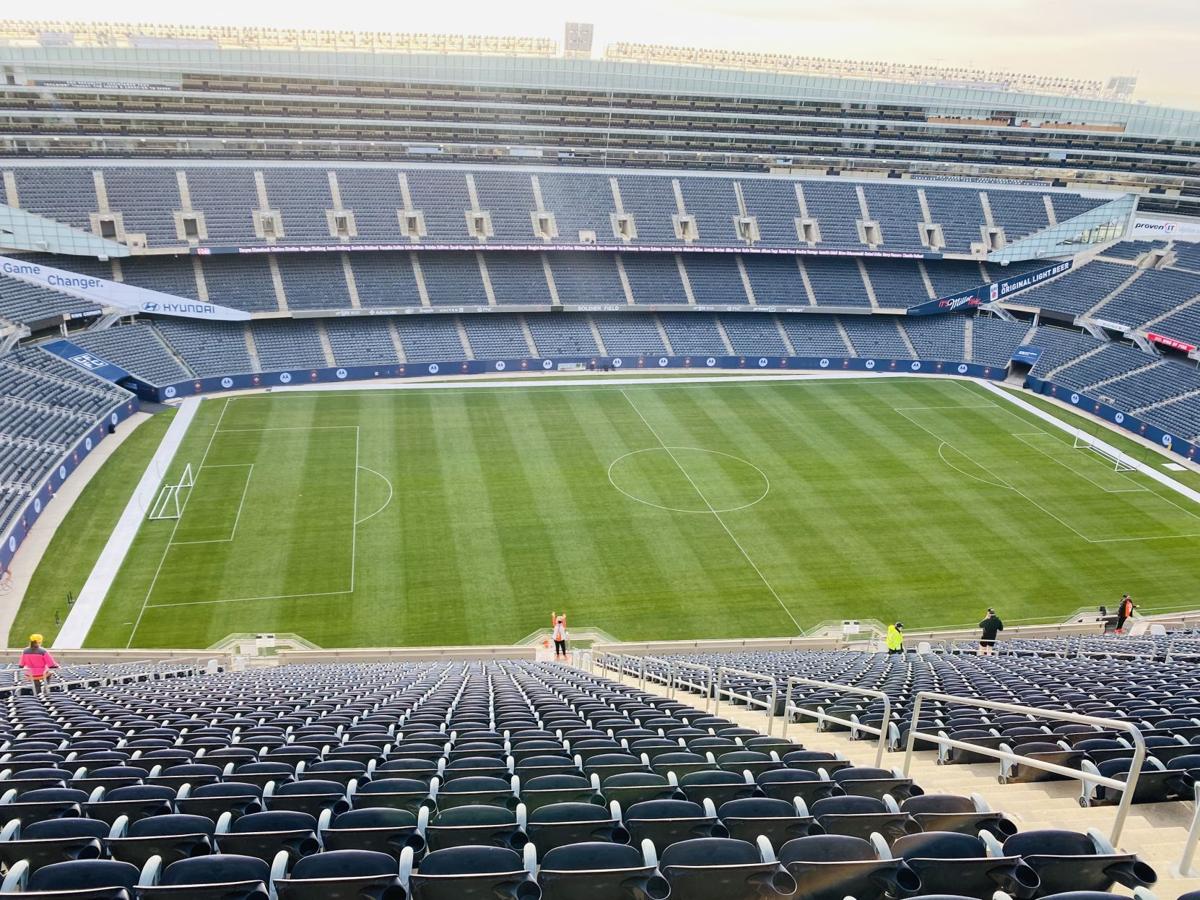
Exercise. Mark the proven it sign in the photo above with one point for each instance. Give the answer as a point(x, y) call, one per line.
point(125, 297)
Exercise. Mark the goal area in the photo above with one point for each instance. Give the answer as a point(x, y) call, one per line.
point(172, 498)
point(1119, 461)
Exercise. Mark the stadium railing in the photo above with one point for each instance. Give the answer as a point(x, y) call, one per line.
point(789, 709)
point(1126, 787)
point(768, 706)
point(675, 676)
point(1189, 846)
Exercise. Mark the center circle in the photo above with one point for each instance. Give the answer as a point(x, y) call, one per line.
point(689, 479)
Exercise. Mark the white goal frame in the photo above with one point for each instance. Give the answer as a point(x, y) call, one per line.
point(171, 500)
point(1120, 461)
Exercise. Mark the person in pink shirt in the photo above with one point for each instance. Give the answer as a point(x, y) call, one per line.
point(37, 663)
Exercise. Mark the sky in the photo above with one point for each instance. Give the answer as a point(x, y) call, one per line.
point(1076, 38)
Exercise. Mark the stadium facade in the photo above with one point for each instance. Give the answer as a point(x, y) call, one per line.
point(197, 210)
point(131, 91)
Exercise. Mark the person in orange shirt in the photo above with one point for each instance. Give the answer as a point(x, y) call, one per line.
point(558, 622)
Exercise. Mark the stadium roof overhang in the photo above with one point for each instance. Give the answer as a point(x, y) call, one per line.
point(1102, 225)
point(25, 231)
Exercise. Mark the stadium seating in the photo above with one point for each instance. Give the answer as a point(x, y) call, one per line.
point(897, 283)
point(361, 342)
point(172, 350)
point(836, 282)
point(994, 340)
point(136, 348)
point(47, 406)
point(1149, 296)
point(1080, 289)
point(228, 198)
point(444, 829)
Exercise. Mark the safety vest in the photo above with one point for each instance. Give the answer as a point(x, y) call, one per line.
point(895, 640)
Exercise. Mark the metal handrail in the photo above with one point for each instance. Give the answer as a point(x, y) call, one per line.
point(1127, 648)
point(769, 706)
point(882, 730)
point(677, 680)
point(1189, 846)
point(1126, 787)
point(1191, 649)
point(666, 679)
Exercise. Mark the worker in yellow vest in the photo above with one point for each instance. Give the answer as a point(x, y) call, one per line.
point(895, 638)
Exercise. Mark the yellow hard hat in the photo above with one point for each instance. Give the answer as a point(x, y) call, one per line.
point(35, 638)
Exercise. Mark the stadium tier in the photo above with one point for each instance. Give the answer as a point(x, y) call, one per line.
point(151, 92)
point(171, 352)
point(224, 206)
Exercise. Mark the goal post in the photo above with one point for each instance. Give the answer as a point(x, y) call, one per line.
point(172, 498)
point(1120, 461)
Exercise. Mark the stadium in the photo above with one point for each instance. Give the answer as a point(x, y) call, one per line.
point(337, 366)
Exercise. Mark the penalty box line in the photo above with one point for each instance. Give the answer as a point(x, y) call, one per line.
point(999, 481)
point(353, 533)
point(1021, 436)
point(249, 467)
point(1002, 482)
point(167, 549)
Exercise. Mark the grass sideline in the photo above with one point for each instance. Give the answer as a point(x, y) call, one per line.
point(502, 510)
point(75, 547)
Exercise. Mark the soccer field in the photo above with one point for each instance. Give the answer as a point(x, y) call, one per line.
point(701, 510)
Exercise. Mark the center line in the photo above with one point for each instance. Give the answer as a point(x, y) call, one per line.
point(716, 515)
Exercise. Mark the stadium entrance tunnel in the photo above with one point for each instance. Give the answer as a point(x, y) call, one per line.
point(689, 479)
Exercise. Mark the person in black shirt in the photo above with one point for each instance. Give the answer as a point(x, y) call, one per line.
point(1124, 612)
point(989, 628)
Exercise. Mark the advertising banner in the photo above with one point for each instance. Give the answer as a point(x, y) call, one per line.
point(1165, 230)
point(87, 361)
point(610, 247)
point(126, 297)
point(1027, 355)
point(1170, 342)
point(966, 301)
point(297, 377)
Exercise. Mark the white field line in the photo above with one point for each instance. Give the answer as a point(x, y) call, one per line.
point(175, 528)
point(249, 467)
point(353, 533)
point(285, 428)
point(391, 494)
point(1137, 488)
point(87, 606)
point(999, 480)
point(716, 515)
point(1002, 482)
point(942, 456)
point(354, 515)
point(557, 381)
point(1150, 471)
point(248, 599)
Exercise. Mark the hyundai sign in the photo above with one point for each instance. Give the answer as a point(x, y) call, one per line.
point(126, 297)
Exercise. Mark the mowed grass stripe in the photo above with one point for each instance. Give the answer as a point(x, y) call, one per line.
point(656, 564)
point(124, 602)
point(503, 510)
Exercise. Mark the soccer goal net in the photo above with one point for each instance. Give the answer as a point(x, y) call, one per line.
point(173, 497)
point(1120, 462)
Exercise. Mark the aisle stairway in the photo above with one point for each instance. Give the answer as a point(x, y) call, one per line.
point(1154, 831)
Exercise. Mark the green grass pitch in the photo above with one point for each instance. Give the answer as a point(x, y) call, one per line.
point(702, 510)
